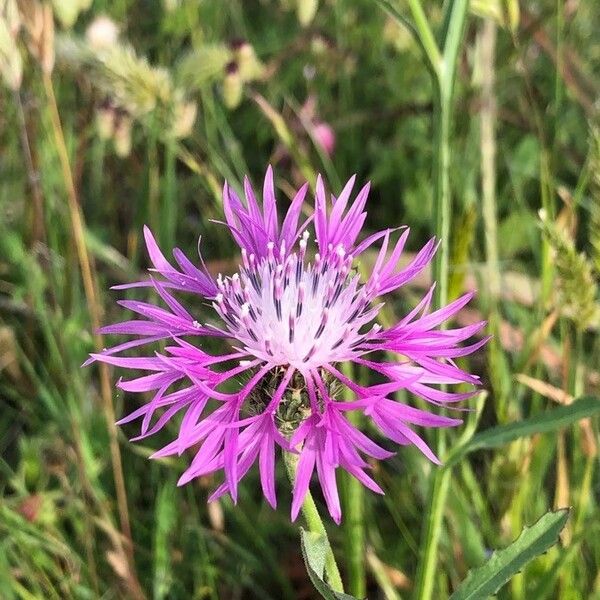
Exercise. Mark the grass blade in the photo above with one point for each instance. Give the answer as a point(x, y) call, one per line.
point(551, 420)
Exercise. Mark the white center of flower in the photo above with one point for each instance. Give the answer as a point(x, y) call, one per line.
point(287, 312)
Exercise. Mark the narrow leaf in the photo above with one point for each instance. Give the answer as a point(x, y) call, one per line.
point(393, 12)
point(504, 564)
point(454, 25)
point(314, 551)
point(550, 420)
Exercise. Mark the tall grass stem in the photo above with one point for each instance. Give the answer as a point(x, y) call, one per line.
point(425, 34)
point(444, 76)
point(38, 221)
point(487, 137)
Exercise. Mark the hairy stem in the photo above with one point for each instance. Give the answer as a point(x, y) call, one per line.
point(315, 524)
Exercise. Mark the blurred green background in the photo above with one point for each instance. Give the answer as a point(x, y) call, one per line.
point(119, 114)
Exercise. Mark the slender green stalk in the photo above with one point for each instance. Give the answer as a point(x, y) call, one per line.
point(315, 524)
point(354, 527)
point(433, 522)
point(425, 34)
point(444, 80)
point(566, 587)
point(578, 389)
point(442, 200)
point(432, 533)
point(547, 193)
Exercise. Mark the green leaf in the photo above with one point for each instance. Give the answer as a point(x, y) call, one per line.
point(314, 551)
point(393, 12)
point(533, 541)
point(548, 421)
point(453, 35)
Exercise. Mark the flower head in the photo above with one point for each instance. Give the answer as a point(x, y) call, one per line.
point(295, 310)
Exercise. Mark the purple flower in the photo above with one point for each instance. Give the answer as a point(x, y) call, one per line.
point(289, 318)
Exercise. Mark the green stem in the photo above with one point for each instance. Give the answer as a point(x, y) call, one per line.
point(425, 34)
point(353, 503)
point(315, 524)
point(431, 536)
point(444, 81)
point(487, 39)
point(441, 197)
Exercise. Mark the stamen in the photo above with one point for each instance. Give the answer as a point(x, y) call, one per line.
point(323, 323)
point(252, 313)
point(299, 267)
point(303, 243)
point(337, 293)
point(268, 345)
point(309, 353)
point(235, 282)
point(330, 292)
point(277, 294)
point(316, 274)
point(359, 302)
point(241, 295)
point(245, 316)
point(337, 344)
point(288, 270)
point(301, 291)
point(254, 281)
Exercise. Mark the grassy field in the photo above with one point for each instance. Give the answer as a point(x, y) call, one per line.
point(126, 113)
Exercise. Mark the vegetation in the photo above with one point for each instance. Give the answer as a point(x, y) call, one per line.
point(476, 121)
